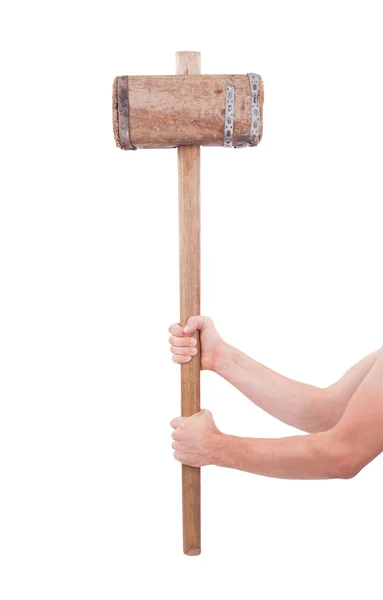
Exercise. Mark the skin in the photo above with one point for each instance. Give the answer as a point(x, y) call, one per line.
point(344, 421)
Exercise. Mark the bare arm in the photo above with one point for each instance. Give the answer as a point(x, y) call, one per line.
point(341, 452)
point(306, 407)
point(303, 406)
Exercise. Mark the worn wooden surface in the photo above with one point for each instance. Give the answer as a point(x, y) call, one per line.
point(172, 110)
point(189, 241)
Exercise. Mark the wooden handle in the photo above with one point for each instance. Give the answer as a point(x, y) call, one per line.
point(189, 239)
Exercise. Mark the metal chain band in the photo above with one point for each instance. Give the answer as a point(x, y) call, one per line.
point(255, 109)
point(255, 124)
point(229, 116)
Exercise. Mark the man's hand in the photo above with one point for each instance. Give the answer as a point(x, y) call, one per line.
point(183, 344)
point(196, 439)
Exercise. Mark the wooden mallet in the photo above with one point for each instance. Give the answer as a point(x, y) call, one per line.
point(188, 110)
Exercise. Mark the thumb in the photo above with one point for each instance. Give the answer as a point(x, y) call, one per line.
point(176, 422)
point(193, 324)
point(206, 416)
point(206, 413)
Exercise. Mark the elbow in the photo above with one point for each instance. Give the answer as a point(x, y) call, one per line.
point(342, 456)
point(346, 463)
point(347, 472)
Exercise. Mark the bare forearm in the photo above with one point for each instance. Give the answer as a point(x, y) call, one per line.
point(300, 405)
point(338, 453)
point(315, 456)
point(303, 406)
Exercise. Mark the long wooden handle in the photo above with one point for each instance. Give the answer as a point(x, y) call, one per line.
point(189, 238)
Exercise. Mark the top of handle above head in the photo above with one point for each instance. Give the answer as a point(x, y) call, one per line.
point(188, 63)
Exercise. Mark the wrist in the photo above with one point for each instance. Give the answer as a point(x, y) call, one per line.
point(221, 357)
point(218, 449)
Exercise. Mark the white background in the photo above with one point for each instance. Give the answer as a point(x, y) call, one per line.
point(291, 273)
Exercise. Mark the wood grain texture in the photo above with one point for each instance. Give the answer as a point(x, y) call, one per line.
point(189, 240)
point(173, 110)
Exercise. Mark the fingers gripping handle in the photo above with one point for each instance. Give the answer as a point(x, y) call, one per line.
point(189, 240)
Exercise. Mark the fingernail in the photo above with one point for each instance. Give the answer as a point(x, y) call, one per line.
point(193, 341)
point(187, 327)
point(193, 351)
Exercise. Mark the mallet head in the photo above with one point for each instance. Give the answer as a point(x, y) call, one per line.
point(178, 110)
